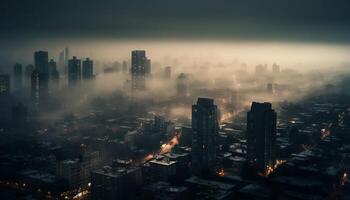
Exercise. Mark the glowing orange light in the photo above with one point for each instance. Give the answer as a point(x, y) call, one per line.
point(221, 172)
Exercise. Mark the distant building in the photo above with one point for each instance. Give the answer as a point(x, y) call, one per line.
point(63, 58)
point(40, 78)
point(261, 69)
point(17, 76)
point(110, 183)
point(276, 68)
point(167, 72)
point(140, 67)
point(261, 135)
point(205, 131)
point(88, 69)
point(28, 74)
point(5, 84)
point(182, 85)
point(74, 71)
point(269, 88)
point(54, 74)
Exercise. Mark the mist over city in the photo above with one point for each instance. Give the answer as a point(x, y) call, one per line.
point(174, 100)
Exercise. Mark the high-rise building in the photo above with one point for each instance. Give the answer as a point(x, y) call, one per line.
point(40, 78)
point(181, 85)
point(17, 76)
point(88, 69)
point(61, 61)
point(261, 136)
point(28, 74)
point(261, 69)
point(63, 58)
point(54, 74)
point(140, 67)
point(4, 84)
point(276, 68)
point(74, 71)
point(167, 72)
point(148, 67)
point(269, 88)
point(205, 130)
point(52, 67)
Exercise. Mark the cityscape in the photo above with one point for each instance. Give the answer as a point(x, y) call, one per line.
point(179, 115)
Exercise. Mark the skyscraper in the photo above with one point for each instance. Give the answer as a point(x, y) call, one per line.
point(54, 74)
point(148, 67)
point(4, 84)
point(74, 71)
point(17, 76)
point(28, 74)
point(88, 69)
point(167, 72)
point(140, 67)
point(181, 85)
point(276, 68)
point(261, 136)
point(205, 130)
point(40, 78)
point(63, 61)
point(269, 88)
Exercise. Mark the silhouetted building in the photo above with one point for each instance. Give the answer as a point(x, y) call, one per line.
point(5, 84)
point(182, 85)
point(111, 183)
point(17, 76)
point(74, 71)
point(40, 78)
point(261, 135)
point(54, 74)
point(28, 74)
point(163, 168)
point(148, 67)
point(140, 67)
point(88, 69)
point(205, 130)
point(167, 72)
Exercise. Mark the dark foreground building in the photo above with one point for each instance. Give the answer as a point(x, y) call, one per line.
point(205, 130)
point(261, 135)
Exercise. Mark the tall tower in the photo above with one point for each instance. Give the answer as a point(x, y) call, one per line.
point(88, 69)
point(54, 74)
point(40, 78)
point(205, 130)
point(74, 71)
point(140, 67)
point(167, 72)
point(261, 135)
point(181, 85)
point(17, 76)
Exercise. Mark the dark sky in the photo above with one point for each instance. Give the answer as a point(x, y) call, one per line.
point(314, 20)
